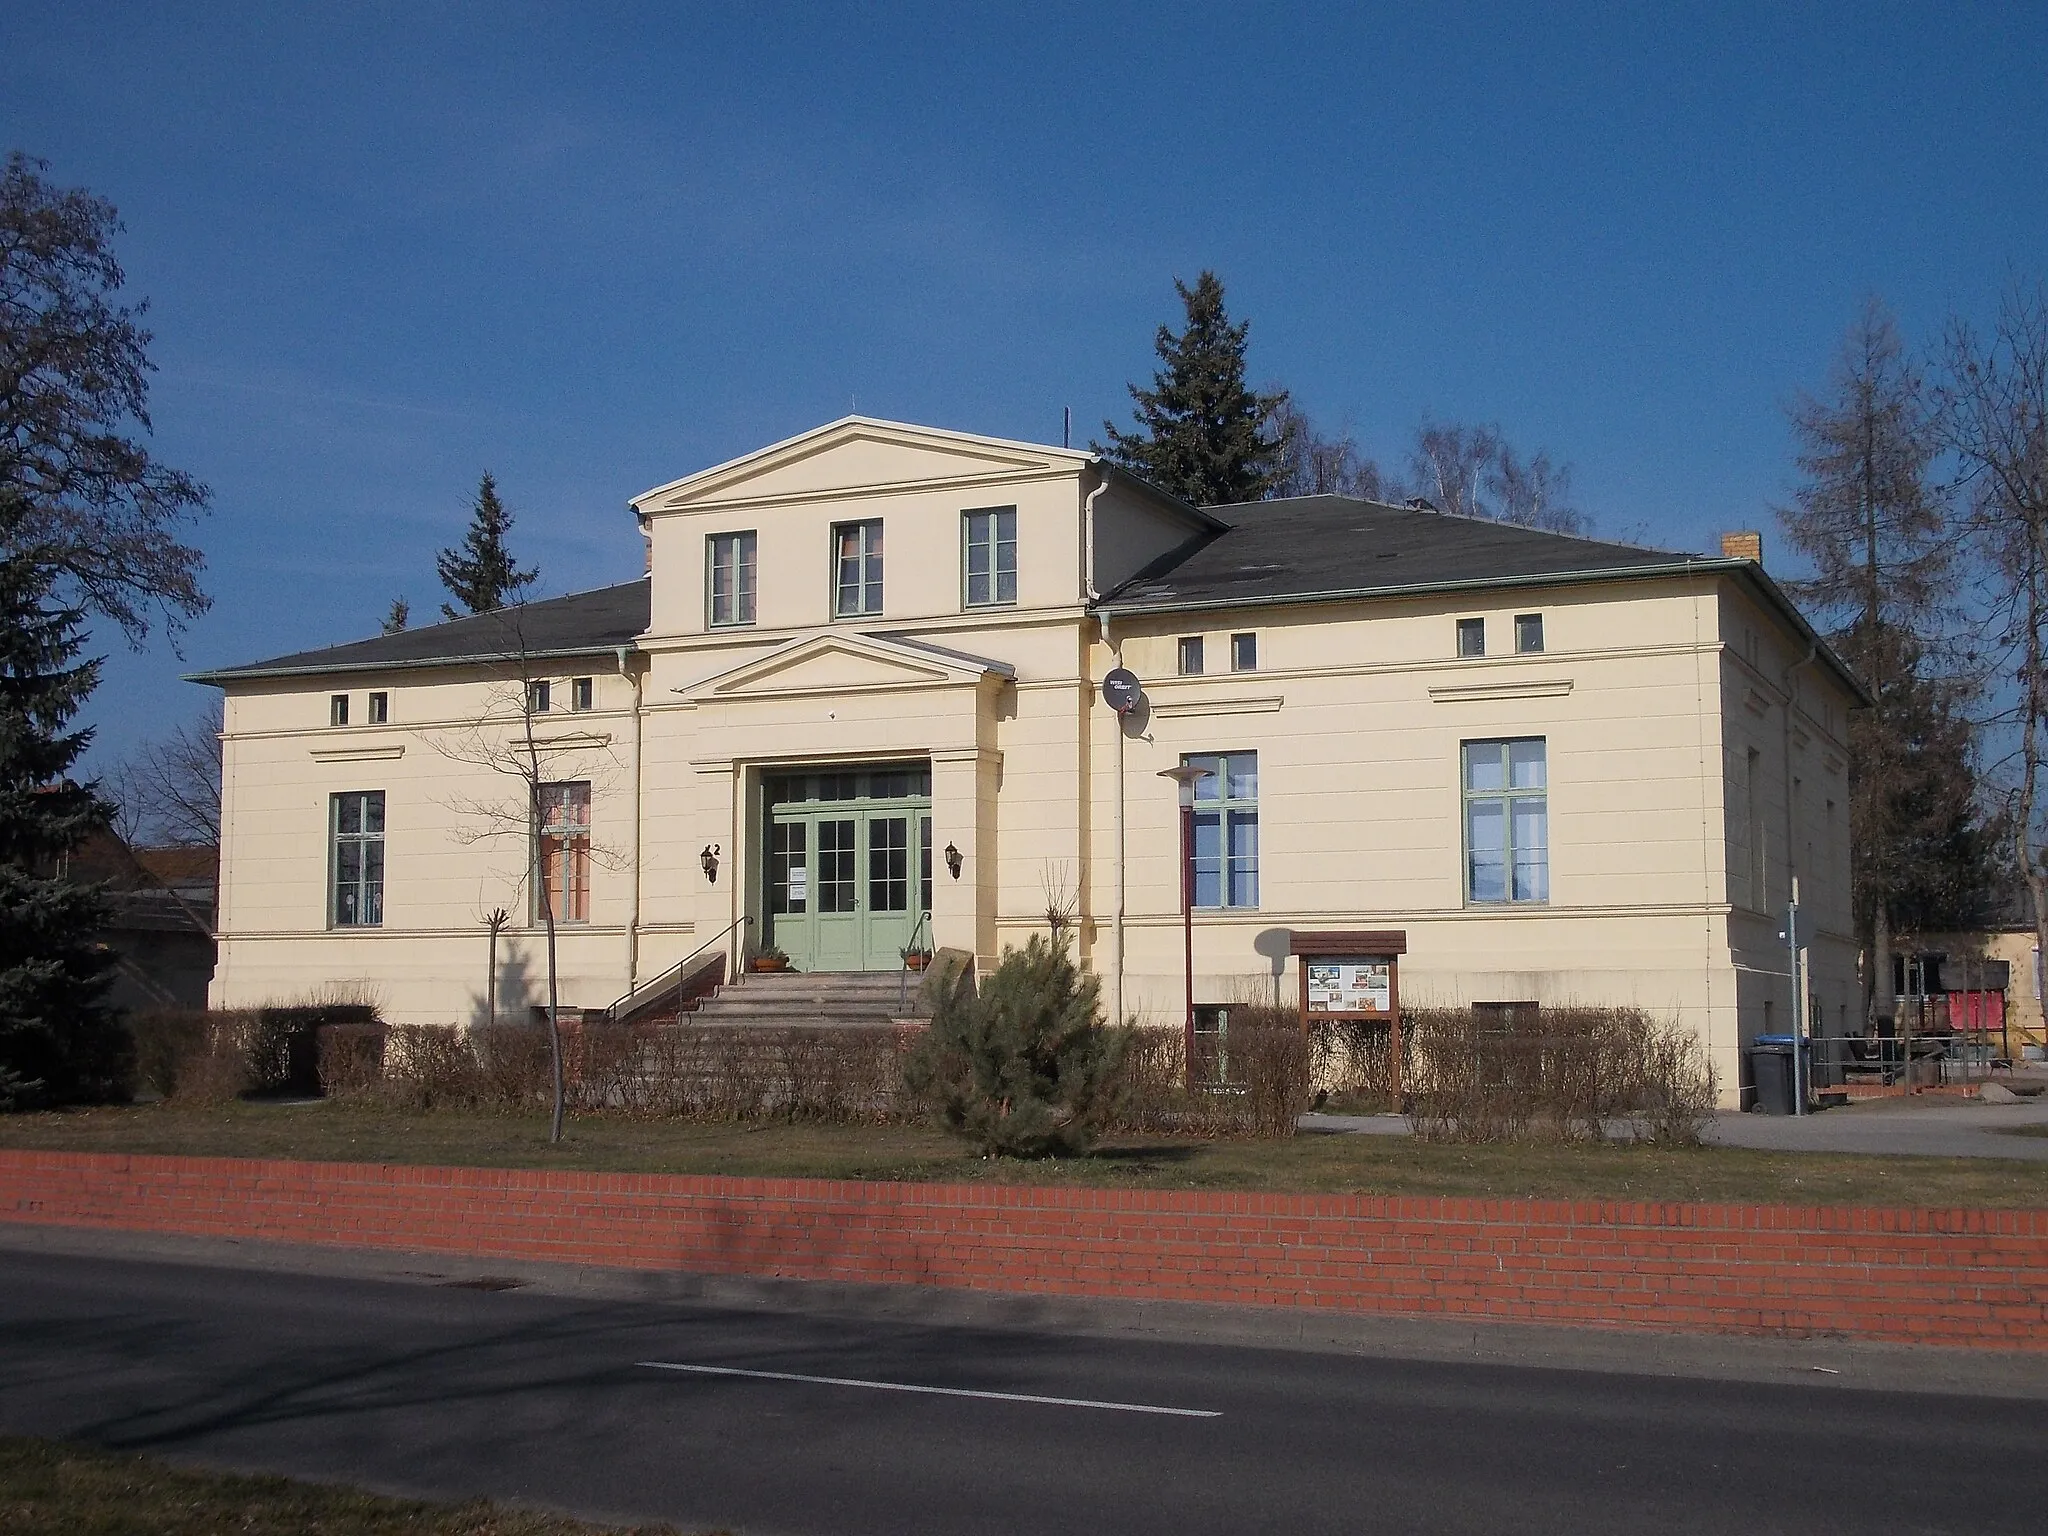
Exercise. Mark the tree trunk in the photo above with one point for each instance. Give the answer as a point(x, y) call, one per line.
point(554, 1022)
point(1884, 1000)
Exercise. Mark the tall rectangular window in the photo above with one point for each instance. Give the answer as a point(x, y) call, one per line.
point(857, 561)
point(1471, 637)
point(1507, 821)
point(1244, 653)
point(1190, 656)
point(538, 696)
point(1226, 842)
point(582, 692)
point(1753, 826)
point(356, 856)
point(337, 709)
point(380, 708)
point(990, 555)
point(563, 849)
point(1528, 633)
point(729, 579)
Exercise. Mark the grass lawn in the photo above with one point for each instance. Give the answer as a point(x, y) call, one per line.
point(48, 1488)
point(1393, 1165)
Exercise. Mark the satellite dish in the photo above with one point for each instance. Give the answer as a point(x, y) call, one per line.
point(1121, 690)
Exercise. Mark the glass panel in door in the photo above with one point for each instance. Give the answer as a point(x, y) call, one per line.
point(839, 945)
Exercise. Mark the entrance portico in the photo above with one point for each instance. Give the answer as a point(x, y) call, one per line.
point(839, 836)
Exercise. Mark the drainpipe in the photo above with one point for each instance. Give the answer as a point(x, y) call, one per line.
point(620, 654)
point(1088, 533)
point(1115, 647)
point(1786, 680)
point(1117, 973)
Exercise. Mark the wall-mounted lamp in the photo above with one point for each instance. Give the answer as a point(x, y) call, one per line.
point(709, 859)
point(953, 860)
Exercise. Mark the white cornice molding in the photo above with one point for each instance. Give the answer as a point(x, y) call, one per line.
point(1500, 688)
point(1263, 704)
point(386, 753)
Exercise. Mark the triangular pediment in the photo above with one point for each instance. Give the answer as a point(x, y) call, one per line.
point(856, 456)
point(842, 663)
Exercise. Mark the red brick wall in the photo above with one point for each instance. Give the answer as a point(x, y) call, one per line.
point(1949, 1277)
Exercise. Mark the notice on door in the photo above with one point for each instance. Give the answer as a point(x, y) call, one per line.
point(1350, 986)
point(799, 884)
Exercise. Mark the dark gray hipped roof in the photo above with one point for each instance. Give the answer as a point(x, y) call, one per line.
point(1337, 546)
point(581, 624)
point(1323, 548)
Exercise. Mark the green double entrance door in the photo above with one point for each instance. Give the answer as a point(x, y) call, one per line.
point(848, 866)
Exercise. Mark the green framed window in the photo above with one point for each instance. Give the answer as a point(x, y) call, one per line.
point(1226, 840)
point(730, 560)
point(1507, 821)
point(988, 552)
point(356, 858)
point(857, 569)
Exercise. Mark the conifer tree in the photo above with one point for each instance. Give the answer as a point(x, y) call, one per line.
point(1205, 435)
point(398, 617)
point(58, 1038)
point(1877, 532)
point(481, 574)
point(1024, 1067)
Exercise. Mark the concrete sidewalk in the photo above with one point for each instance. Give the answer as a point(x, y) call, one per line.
point(1919, 1127)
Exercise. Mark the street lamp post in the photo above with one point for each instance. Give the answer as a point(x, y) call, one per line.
point(1187, 776)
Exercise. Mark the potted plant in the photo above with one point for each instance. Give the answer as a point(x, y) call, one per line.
point(916, 959)
point(769, 959)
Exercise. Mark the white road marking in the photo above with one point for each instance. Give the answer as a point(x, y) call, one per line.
point(904, 1386)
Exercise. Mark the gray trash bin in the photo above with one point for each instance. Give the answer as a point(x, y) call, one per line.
point(1770, 1068)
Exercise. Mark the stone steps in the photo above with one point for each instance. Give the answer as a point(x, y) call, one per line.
point(812, 1000)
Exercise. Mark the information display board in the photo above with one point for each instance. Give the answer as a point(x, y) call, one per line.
point(1354, 976)
point(1350, 986)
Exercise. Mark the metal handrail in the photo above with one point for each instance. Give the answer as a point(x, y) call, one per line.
point(923, 925)
point(612, 1013)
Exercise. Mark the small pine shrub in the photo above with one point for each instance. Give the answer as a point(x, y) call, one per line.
point(1024, 1067)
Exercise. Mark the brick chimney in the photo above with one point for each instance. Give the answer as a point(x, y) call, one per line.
point(1745, 544)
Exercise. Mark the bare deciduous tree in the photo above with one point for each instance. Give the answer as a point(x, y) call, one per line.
point(1994, 417)
point(514, 737)
point(1473, 471)
point(79, 494)
point(167, 791)
point(1314, 465)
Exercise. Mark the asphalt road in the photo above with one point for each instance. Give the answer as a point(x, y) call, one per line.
point(420, 1387)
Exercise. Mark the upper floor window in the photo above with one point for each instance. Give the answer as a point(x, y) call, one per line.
point(563, 849)
point(337, 709)
point(729, 580)
point(990, 555)
point(380, 708)
point(1471, 637)
point(1190, 656)
point(356, 856)
point(1244, 653)
point(1226, 847)
point(1528, 633)
point(858, 573)
point(582, 692)
point(538, 696)
point(1507, 821)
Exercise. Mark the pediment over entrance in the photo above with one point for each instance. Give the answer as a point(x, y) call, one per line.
point(845, 663)
point(857, 455)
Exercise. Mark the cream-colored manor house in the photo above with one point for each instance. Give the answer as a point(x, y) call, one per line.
point(860, 683)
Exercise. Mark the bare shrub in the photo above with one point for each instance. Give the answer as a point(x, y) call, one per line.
point(351, 1059)
point(1254, 1084)
point(1569, 1074)
point(1351, 1061)
point(168, 1042)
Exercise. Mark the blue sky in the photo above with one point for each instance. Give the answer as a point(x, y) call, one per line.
point(593, 248)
